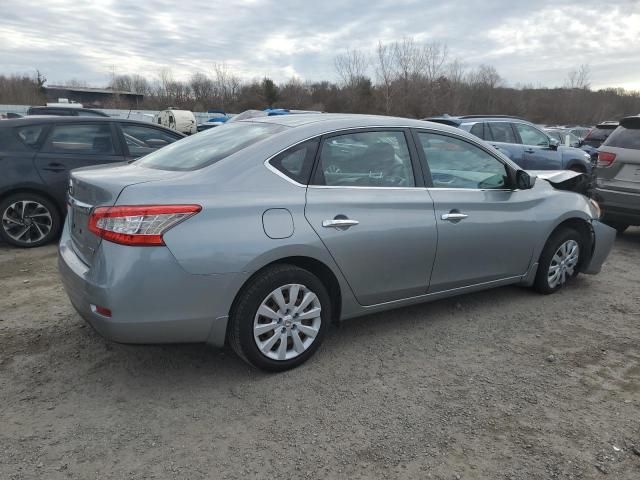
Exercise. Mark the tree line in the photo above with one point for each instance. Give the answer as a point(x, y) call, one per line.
point(402, 78)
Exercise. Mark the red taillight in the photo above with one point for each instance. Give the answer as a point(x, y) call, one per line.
point(605, 159)
point(138, 225)
point(105, 312)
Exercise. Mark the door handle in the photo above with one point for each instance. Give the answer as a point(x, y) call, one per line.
point(454, 217)
point(54, 167)
point(529, 150)
point(339, 223)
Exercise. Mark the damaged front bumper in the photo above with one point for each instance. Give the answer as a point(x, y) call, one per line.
point(603, 238)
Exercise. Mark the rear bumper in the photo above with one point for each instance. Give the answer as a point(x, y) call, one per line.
point(152, 299)
point(622, 207)
point(604, 237)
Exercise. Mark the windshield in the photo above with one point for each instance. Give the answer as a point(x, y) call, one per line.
point(208, 147)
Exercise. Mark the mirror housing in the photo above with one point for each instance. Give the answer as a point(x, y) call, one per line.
point(554, 143)
point(524, 181)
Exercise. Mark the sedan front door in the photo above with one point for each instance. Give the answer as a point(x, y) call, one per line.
point(375, 219)
point(484, 227)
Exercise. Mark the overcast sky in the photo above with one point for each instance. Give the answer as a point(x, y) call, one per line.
point(529, 42)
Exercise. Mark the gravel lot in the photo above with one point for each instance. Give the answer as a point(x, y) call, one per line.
point(499, 384)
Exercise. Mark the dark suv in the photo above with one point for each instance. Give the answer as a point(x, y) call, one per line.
point(522, 142)
point(618, 175)
point(36, 155)
point(66, 112)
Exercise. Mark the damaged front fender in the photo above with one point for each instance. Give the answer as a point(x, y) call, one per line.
point(564, 180)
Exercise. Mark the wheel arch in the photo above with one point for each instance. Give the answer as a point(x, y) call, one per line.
point(584, 228)
point(318, 268)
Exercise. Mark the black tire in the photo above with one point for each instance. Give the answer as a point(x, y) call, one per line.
point(33, 237)
point(557, 239)
point(250, 298)
point(578, 169)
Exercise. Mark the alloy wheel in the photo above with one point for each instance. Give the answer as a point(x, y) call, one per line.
point(287, 322)
point(27, 221)
point(563, 263)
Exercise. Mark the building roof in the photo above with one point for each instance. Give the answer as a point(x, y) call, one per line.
point(90, 90)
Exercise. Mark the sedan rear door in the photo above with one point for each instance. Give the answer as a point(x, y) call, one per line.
point(72, 145)
point(373, 213)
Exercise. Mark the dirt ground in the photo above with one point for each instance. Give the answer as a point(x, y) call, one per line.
point(503, 384)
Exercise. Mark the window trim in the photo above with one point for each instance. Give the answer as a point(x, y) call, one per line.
point(275, 169)
point(115, 140)
point(429, 180)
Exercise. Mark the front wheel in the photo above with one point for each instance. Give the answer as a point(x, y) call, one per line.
point(559, 261)
point(280, 318)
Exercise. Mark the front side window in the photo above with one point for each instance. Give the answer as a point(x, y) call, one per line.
point(501, 132)
point(87, 139)
point(455, 163)
point(297, 162)
point(141, 140)
point(478, 130)
point(532, 136)
point(210, 146)
point(366, 159)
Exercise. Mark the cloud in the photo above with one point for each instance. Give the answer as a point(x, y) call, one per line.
point(535, 42)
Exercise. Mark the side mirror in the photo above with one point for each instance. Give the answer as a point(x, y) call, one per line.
point(554, 143)
point(524, 181)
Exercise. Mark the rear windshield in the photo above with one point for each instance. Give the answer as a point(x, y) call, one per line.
point(624, 138)
point(600, 133)
point(208, 147)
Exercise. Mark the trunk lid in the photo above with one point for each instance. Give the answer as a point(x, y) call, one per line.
point(101, 186)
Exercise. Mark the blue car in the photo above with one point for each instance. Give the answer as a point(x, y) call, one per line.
point(522, 142)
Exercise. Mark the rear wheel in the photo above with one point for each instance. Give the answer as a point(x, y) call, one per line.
point(559, 261)
point(280, 318)
point(28, 220)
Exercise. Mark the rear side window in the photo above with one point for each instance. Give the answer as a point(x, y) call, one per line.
point(209, 147)
point(501, 132)
point(30, 134)
point(478, 130)
point(89, 139)
point(624, 138)
point(9, 141)
point(297, 162)
point(365, 159)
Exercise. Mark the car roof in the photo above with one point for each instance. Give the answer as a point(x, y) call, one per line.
point(458, 120)
point(341, 120)
point(46, 119)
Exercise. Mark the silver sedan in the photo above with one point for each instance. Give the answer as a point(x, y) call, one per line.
point(263, 232)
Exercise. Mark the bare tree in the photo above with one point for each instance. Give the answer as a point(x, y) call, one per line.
point(385, 73)
point(579, 78)
point(351, 67)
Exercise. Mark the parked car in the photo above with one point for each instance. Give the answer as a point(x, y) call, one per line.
point(66, 111)
point(522, 142)
point(596, 136)
point(262, 232)
point(36, 155)
point(618, 175)
point(561, 134)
